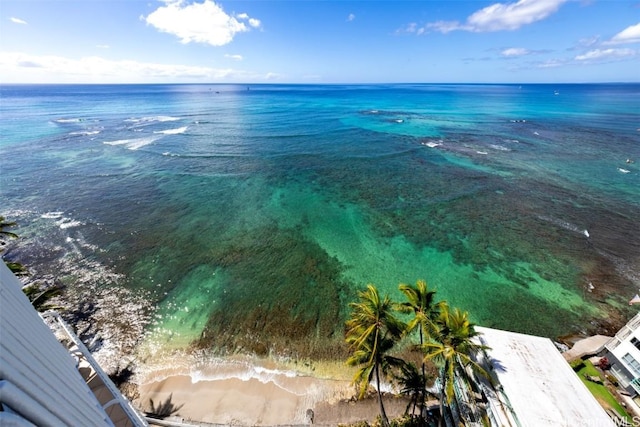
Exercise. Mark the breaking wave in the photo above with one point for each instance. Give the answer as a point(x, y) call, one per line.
point(135, 143)
point(152, 119)
point(62, 121)
point(173, 131)
point(85, 133)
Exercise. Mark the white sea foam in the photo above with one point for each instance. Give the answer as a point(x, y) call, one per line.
point(152, 119)
point(118, 142)
point(499, 147)
point(141, 142)
point(78, 120)
point(165, 119)
point(52, 215)
point(135, 143)
point(65, 223)
point(433, 144)
point(86, 132)
point(173, 131)
point(243, 372)
point(247, 371)
point(270, 373)
point(482, 152)
point(623, 170)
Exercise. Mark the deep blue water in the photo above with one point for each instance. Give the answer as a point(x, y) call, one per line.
point(248, 216)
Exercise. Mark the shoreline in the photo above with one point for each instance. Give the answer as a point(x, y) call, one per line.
point(243, 391)
point(236, 401)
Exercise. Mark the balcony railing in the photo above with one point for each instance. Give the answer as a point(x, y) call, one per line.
point(134, 418)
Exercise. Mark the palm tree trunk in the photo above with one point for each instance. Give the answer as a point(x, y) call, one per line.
point(383, 414)
point(442, 398)
point(423, 392)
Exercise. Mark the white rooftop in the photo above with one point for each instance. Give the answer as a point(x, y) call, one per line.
point(541, 387)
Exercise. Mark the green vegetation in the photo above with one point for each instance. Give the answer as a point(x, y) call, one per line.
point(599, 390)
point(421, 303)
point(372, 332)
point(445, 338)
point(452, 348)
point(16, 268)
point(3, 225)
point(577, 364)
point(40, 296)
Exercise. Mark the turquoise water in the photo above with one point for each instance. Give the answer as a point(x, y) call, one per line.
point(248, 217)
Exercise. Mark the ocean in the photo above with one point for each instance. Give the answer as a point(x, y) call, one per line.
point(244, 218)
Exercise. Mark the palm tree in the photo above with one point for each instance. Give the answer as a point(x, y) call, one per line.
point(421, 303)
point(372, 331)
point(40, 297)
point(15, 267)
point(452, 348)
point(3, 225)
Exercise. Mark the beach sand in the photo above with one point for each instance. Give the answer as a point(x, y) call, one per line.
point(270, 397)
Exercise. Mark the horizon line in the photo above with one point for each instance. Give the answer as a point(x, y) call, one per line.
point(314, 83)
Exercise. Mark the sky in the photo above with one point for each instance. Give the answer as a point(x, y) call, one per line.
point(319, 41)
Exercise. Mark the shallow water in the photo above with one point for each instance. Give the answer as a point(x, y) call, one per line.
point(248, 219)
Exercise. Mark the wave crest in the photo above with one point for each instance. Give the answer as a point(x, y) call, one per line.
point(135, 143)
point(175, 131)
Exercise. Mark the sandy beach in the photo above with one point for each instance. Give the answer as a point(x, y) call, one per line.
point(258, 396)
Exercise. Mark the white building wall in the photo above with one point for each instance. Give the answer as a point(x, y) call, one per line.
point(621, 345)
point(39, 382)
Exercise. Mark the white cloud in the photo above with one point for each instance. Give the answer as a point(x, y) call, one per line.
point(630, 34)
point(234, 57)
point(411, 28)
point(446, 26)
point(203, 22)
point(24, 68)
point(511, 16)
point(18, 21)
point(501, 16)
point(552, 63)
point(601, 55)
point(351, 17)
point(589, 41)
point(514, 52)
